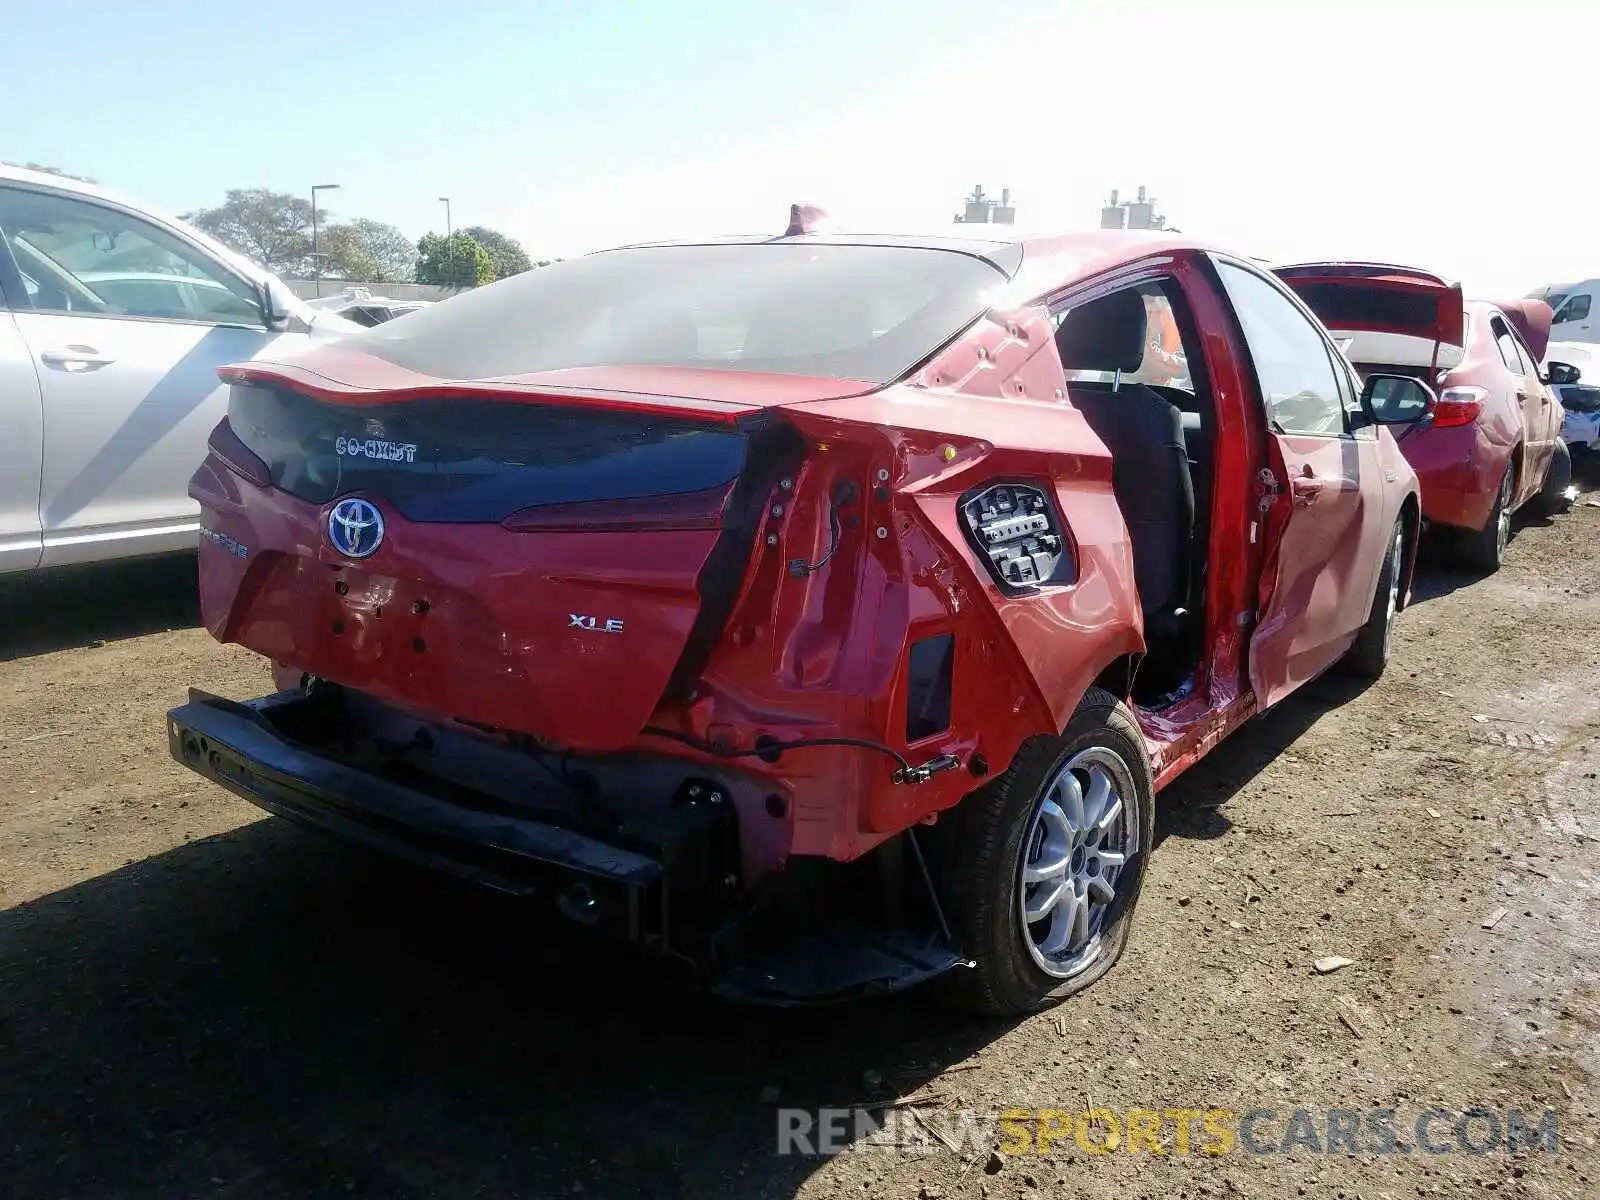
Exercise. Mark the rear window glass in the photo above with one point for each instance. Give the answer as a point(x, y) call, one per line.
point(868, 313)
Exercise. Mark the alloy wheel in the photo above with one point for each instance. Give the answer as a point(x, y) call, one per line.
point(1082, 833)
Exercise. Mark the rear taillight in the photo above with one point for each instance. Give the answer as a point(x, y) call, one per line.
point(1458, 406)
point(225, 444)
point(649, 514)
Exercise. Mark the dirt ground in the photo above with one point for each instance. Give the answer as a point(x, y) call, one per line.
point(196, 1000)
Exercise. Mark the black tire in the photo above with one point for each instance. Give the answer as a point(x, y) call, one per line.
point(1369, 655)
point(1484, 549)
point(1553, 496)
point(979, 858)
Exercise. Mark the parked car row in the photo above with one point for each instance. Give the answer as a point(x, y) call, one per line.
point(1493, 443)
point(822, 612)
point(358, 304)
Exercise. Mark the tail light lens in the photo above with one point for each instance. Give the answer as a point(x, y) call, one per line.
point(650, 514)
point(1458, 406)
point(1015, 530)
point(238, 457)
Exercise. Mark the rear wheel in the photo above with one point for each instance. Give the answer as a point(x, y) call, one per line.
point(1370, 653)
point(1553, 496)
point(1042, 868)
point(1485, 548)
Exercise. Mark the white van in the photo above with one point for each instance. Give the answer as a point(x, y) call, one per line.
point(1577, 317)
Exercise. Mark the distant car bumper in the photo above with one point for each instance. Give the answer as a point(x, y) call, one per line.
point(1581, 430)
point(1458, 473)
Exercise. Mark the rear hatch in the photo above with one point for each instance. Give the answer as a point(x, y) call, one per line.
point(542, 565)
point(1383, 315)
point(1532, 318)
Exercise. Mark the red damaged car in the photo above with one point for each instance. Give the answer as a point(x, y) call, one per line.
point(1493, 442)
point(823, 612)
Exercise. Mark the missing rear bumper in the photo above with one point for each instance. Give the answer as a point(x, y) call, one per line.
point(248, 749)
point(667, 886)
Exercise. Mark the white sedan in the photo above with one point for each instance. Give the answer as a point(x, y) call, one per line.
point(113, 322)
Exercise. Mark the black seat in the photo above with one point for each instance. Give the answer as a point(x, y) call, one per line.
point(1149, 462)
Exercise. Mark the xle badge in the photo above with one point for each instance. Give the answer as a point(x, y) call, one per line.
point(593, 624)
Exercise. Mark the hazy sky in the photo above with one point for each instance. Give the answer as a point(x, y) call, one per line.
point(1458, 137)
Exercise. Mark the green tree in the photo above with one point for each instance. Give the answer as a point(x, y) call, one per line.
point(459, 261)
point(273, 228)
point(366, 251)
point(505, 251)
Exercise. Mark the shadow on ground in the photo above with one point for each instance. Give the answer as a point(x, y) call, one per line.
point(267, 1013)
point(1193, 805)
point(67, 609)
point(1438, 566)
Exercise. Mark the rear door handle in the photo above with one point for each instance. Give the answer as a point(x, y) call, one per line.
point(74, 358)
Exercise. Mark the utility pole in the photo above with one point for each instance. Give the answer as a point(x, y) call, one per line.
point(449, 240)
point(316, 261)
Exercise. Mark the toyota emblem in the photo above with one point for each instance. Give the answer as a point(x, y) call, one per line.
point(355, 527)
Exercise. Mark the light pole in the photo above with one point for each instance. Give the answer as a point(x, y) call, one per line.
point(449, 248)
point(316, 262)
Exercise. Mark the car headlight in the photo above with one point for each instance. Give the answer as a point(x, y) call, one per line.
point(1016, 530)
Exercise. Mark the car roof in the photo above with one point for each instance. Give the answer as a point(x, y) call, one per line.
point(63, 183)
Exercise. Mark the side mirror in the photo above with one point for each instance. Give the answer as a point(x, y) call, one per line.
point(1560, 373)
point(275, 304)
point(1397, 400)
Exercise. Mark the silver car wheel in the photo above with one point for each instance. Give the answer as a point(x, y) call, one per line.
point(1081, 835)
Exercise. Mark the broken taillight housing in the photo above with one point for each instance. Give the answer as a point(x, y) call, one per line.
point(1015, 529)
point(238, 457)
point(1458, 406)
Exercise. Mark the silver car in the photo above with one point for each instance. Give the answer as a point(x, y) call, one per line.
point(113, 322)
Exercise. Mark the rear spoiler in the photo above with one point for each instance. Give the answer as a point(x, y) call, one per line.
point(332, 391)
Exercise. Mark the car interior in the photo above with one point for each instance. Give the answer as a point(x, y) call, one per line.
point(1150, 404)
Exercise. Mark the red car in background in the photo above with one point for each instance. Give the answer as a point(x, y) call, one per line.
point(821, 611)
point(1493, 443)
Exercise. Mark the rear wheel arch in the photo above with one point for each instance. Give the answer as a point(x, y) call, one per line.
point(1117, 676)
point(975, 859)
point(1113, 669)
